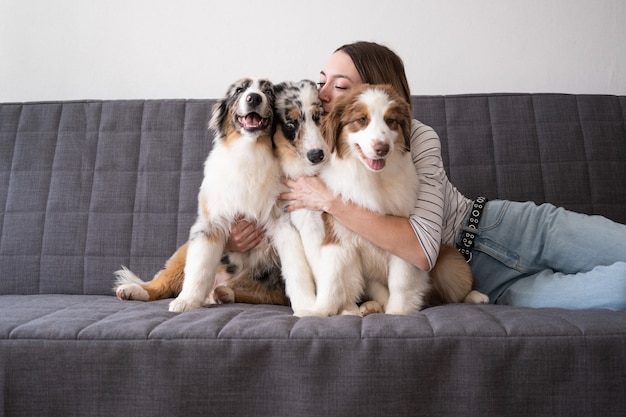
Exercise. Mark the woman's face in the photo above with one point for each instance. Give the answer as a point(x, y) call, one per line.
point(338, 76)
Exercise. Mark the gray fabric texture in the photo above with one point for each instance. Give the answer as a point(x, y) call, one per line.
point(88, 186)
point(95, 355)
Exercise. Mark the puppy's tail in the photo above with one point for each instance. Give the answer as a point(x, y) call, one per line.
point(126, 276)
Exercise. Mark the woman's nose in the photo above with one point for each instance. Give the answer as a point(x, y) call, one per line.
point(321, 93)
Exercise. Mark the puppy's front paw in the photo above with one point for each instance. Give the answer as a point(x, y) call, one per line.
point(476, 297)
point(180, 305)
point(131, 292)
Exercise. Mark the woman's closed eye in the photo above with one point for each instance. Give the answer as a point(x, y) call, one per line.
point(321, 85)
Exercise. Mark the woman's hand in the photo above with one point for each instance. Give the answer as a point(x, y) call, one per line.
point(307, 192)
point(244, 236)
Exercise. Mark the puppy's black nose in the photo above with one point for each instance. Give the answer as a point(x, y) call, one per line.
point(254, 99)
point(315, 156)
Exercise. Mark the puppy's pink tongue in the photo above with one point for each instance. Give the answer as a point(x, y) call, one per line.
point(376, 164)
point(253, 120)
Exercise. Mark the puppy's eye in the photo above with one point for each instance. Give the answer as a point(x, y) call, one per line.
point(269, 92)
point(238, 90)
point(392, 123)
point(316, 117)
point(289, 129)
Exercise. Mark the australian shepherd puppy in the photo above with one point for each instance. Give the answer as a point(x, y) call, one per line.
point(368, 132)
point(242, 178)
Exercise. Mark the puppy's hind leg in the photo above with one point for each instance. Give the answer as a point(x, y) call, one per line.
point(370, 307)
point(452, 280)
point(129, 286)
point(165, 284)
point(476, 297)
point(377, 293)
point(204, 252)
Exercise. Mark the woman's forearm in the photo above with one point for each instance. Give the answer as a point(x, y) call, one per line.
point(391, 233)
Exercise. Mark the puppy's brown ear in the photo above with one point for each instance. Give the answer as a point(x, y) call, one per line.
point(221, 109)
point(331, 126)
point(403, 115)
point(220, 113)
point(405, 122)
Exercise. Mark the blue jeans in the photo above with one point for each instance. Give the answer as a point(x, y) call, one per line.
point(544, 256)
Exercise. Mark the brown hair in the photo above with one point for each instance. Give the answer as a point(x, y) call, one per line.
point(377, 64)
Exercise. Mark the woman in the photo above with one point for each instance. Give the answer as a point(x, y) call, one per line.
point(523, 254)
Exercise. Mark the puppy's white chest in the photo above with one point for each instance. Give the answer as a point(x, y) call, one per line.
point(243, 180)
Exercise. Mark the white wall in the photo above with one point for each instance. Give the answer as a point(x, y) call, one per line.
point(77, 49)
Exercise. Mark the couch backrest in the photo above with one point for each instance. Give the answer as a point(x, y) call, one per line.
point(88, 186)
point(569, 150)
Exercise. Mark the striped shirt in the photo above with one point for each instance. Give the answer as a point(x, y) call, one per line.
point(440, 208)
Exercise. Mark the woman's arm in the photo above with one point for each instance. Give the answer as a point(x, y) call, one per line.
point(392, 233)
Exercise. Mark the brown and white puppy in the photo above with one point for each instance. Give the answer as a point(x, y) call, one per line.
point(368, 132)
point(298, 149)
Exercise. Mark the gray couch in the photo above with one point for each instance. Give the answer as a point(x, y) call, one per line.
point(88, 186)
